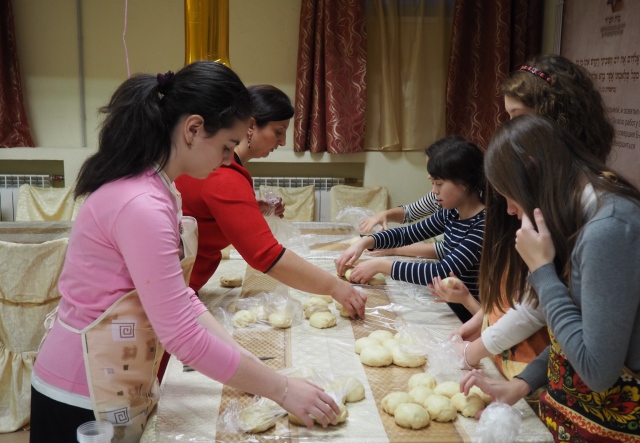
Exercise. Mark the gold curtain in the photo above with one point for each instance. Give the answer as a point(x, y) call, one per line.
point(407, 60)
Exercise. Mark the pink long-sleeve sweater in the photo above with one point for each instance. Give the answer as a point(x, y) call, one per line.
point(126, 237)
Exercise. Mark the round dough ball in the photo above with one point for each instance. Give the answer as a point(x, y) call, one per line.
point(378, 279)
point(351, 387)
point(343, 311)
point(420, 393)
point(468, 405)
point(243, 318)
point(452, 282)
point(257, 418)
point(412, 416)
point(280, 319)
point(422, 379)
point(322, 320)
point(440, 408)
point(391, 401)
point(341, 417)
point(308, 312)
point(376, 356)
point(406, 360)
point(347, 274)
point(486, 398)
point(381, 335)
point(363, 342)
point(294, 419)
point(260, 312)
point(447, 388)
point(315, 301)
point(326, 298)
point(231, 281)
point(390, 343)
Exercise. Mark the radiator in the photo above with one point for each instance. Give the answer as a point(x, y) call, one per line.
point(9, 185)
point(322, 187)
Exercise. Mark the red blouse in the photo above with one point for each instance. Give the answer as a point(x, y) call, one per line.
point(225, 206)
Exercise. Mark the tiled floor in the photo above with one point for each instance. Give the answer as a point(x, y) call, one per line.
point(15, 437)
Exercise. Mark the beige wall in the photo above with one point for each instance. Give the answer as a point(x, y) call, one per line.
point(263, 49)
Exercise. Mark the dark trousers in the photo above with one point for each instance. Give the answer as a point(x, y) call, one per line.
point(55, 422)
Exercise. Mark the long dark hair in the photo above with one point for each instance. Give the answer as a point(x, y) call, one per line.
point(144, 110)
point(269, 104)
point(538, 164)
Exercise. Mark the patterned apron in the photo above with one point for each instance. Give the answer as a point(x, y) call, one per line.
point(574, 413)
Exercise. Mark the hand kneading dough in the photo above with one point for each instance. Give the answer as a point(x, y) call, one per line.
point(406, 360)
point(448, 388)
point(343, 311)
point(468, 405)
point(244, 318)
point(452, 282)
point(257, 418)
point(422, 379)
point(351, 387)
point(342, 417)
point(294, 419)
point(280, 319)
point(322, 320)
point(231, 281)
point(412, 416)
point(440, 408)
point(376, 356)
point(363, 342)
point(378, 279)
point(486, 398)
point(394, 399)
point(420, 393)
point(381, 335)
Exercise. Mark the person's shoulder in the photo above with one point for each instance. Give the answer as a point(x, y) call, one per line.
point(146, 187)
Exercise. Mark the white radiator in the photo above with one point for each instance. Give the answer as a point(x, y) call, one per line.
point(9, 185)
point(322, 186)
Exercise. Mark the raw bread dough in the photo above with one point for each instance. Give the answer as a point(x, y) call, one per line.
point(326, 298)
point(412, 416)
point(322, 320)
point(378, 279)
point(381, 335)
point(420, 393)
point(486, 398)
point(294, 419)
point(468, 405)
point(390, 343)
point(314, 304)
point(406, 360)
point(343, 311)
point(447, 388)
point(243, 318)
point(257, 418)
point(452, 282)
point(422, 379)
point(391, 401)
point(280, 319)
point(342, 417)
point(376, 356)
point(440, 408)
point(347, 275)
point(351, 388)
point(260, 311)
point(363, 342)
point(231, 281)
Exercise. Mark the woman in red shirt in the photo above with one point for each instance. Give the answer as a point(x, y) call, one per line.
point(227, 211)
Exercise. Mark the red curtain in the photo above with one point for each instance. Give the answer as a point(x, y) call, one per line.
point(330, 87)
point(490, 39)
point(14, 128)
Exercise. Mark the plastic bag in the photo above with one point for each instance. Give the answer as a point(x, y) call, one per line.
point(258, 416)
point(274, 309)
point(354, 215)
point(288, 235)
point(273, 200)
point(499, 423)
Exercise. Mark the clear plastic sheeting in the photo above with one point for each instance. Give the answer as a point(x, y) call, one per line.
point(354, 215)
point(499, 423)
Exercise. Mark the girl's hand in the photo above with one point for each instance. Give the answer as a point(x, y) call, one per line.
point(504, 391)
point(351, 299)
point(353, 253)
point(303, 399)
point(366, 226)
point(458, 293)
point(368, 268)
point(472, 329)
point(535, 247)
point(383, 252)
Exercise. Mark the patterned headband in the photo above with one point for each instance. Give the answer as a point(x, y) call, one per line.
point(535, 71)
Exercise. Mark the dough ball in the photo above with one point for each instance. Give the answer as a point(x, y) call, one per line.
point(390, 343)
point(448, 388)
point(381, 335)
point(326, 298)
point(341, 417)
point(347, 274)
point(351, 387)
point(412, 416)
point(260, 312)
point(406, 360)
point(257, 418)
point(343, 311)
point(308, 312)
point(391, 401)
point(354, 240)
point(294, 419)
point(315, 301)
point(452, 282)
point(422, 379)
point(280, 319)
point(440, 408)
point(468, 405)
point(378, 279)
point(243, 318)
point(363, 342)
point(420, 393)
point(486, 398)
point(231, 281)
point(376, 356)
point(322, 320)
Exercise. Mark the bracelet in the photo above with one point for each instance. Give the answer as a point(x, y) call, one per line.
point(286, 390)
point(464, 354)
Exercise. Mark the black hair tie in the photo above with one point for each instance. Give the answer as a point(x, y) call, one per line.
point(165, 82)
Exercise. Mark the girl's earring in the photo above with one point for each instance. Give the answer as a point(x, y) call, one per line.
point(249, 142)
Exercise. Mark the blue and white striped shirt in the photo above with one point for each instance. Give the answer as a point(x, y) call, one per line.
point(459, 252)
point(421, 208)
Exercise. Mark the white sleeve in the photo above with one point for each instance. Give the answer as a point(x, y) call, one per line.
point(517, 324)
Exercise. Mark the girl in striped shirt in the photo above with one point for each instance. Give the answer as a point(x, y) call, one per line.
point(455, 170)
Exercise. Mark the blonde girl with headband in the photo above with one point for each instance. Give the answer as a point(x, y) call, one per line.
point(579, 250)
point(123, 293)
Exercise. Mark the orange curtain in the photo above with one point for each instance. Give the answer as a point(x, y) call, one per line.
point(330, 86)
point(490, 39)
point(14, 128)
